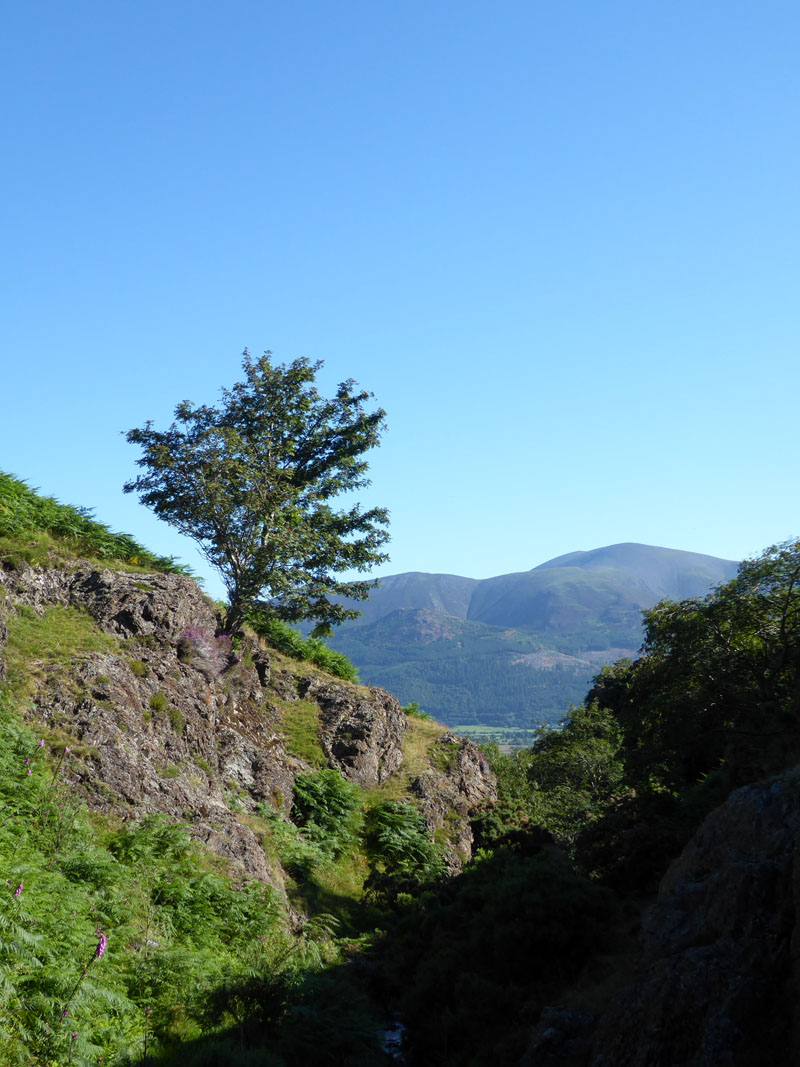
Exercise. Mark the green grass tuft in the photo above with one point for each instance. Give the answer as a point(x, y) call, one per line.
point(301, 726)
point(57, 636)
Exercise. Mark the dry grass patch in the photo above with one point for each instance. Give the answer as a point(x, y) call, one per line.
point(417, 745)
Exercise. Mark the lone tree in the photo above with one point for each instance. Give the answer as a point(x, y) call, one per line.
point(252, 481)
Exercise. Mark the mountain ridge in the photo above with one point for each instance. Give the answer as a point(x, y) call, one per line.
point(437, 638)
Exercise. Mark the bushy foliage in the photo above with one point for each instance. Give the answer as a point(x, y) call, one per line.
point(474, 960)
point(171, 928)
point(402, 855)
point(414, 711)
point(24, 512)
point(719, 681)
point(254, 480)
point(328, 809)
point(574, 771)
point(569, 776)
point(286, 639)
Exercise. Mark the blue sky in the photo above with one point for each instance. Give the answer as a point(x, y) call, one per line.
point(559, 242)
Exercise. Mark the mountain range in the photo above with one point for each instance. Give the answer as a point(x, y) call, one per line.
point(514, 650)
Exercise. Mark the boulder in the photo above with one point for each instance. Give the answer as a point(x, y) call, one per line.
point(361, 730)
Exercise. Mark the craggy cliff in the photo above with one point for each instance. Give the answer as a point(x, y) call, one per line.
point(165, 717)
point(717, 979)
point(719, 974)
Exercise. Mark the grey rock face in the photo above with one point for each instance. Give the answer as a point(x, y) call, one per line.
point(170, 722)
point(719, 979)
point(361, 734)
point(157, 736)
point(128, 605)
point(459, 782)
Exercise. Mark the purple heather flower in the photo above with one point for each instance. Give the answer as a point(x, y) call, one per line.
point(27, 761)
point(101, 945)
point(41, 742)
point(18, 890)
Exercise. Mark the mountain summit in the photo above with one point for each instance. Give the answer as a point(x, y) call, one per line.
point(513, 650)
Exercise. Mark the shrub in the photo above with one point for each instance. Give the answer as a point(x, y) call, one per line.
point(289, 641)
point(327, 807)
point(415, 711)
point(402, 855)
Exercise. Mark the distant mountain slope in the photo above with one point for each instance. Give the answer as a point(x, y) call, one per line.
point(514, 650)
point(607, 587)
point(445, 593)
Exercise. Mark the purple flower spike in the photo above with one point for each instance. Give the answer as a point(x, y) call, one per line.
point(18, 890)
point(41, 742)
point(101, 945)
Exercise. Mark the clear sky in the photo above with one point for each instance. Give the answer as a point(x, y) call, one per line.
point(560, 243)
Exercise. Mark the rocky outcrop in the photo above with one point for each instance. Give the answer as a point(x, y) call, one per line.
point(459, 781)
point(361, 731)
point(128, 605)
point(719, 977)
point(168, 719)
point(157, 735)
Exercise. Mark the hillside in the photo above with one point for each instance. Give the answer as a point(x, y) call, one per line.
point(220, 856)
point(216, 815)
point(515, 650)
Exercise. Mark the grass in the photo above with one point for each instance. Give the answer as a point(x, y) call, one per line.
point(168, 770)
point(417, 749)
point(38, 530)
point(57, 636)
point(301, 728)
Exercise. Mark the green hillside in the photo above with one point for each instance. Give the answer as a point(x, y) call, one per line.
point(514, 651)
point(126, 940)
point(467, 673)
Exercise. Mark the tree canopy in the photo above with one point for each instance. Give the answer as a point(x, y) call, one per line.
point(252, 481)
point(719, 681)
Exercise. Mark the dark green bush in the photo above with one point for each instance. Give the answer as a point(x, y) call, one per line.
point(327, 807)
point(286, 639)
